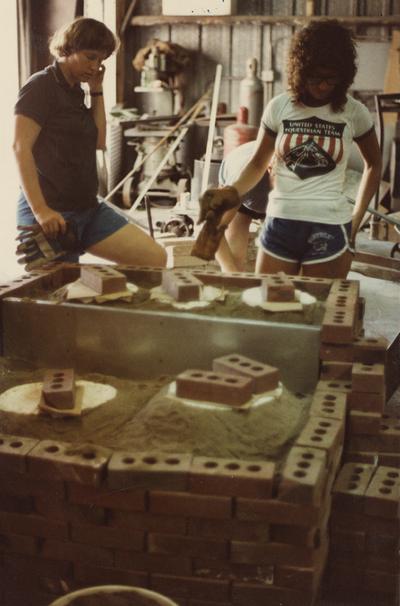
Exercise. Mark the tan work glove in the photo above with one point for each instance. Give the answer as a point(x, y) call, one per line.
point(217, 209)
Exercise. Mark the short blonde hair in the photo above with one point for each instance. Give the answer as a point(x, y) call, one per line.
point(83, 34)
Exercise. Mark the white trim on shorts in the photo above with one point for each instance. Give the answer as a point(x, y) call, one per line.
point(336, 255)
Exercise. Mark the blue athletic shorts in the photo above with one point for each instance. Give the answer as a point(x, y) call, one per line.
point(304, 242)
point(91, 226)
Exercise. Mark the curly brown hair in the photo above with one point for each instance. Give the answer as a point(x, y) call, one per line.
point(83, 34)
point(322, 44)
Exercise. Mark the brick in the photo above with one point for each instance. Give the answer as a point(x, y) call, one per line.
point(229, 529)
point(334, 352)
point(296, 535)
point(367, 402)
point(32, 525)
point(82, 463)
point(303, 476)
point(148, 470)
point(106, 536)
point(96, 575)
point(345, 288)
point(338, 325)
point(299, 578)
point(387, 440)
point(347, 519)
point(152, 562)
point(181, 285)
point(326, 434)
point(187, 546)
point(274, 511)
point(32, 567)
point(371, 350)
point(14, 543)
point(215, 387)
point(277, 288)
point(185, 587)
point(351, 485)
point(264, 377)
point(382, 582)
point(329, 404)
point(148, 521)
point(190, 505)
point(62, 511)
point(76, 552)
point(130, 500)
point(16, 504)
point(336, 370)
point(348, 541)
point(334, 386)
point(368, 378)
point(247, 552)
point(257, 594)
point(382, 497)
point(318, 287)
point(103, 279)
point(364, 422)
point(231, 477)
point(13, 451)
point(21, 485)
point(229, 279)
point(58, 388)
point(385, 546)
point(224, 569)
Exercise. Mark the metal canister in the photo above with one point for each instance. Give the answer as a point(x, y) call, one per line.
point(252, 93)
point(240, 132)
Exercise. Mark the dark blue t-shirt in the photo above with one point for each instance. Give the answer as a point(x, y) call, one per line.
point(65, 150)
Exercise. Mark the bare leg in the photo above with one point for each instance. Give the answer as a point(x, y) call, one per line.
point(130, 245)
point(232, 252)
point(337, 268)
point(266, 264)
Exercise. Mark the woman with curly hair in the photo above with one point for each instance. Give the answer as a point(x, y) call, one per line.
point(56, 137)
point(310, 227)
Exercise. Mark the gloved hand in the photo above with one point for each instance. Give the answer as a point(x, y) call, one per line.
point(215, 202)
point(217, 208)
point(35, 249)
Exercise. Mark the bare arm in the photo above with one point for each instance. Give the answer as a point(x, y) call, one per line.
point(97, 107)
point(370, 180)
point(25, 135)
point(258, 164)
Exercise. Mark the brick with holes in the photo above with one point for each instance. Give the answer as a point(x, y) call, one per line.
point(231, 477)
point(277, 288)
point(350, 487)
point(303, 476)
point(334, 386)
point(54, 460)
point(338, 324)
point(264, 377)
point(323, 433)
point(13, 451)
point(215, 387)
point(345, 288)
point(58, 388)
point(368, 378)
point(103, 279)
point(382, 497)
point(181, 285)
point(370, 350)
point(148, 470)
point(329, 404)
point(336, 352)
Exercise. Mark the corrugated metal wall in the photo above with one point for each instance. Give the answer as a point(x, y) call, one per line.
point(231, 45)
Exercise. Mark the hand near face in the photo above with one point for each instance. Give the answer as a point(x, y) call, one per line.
point(96, 82)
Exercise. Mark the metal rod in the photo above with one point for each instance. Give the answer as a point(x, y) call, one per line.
point(376, 213)
point(149, 217)
point(211, 128)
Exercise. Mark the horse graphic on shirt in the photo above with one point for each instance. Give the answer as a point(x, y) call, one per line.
point(311, 146)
